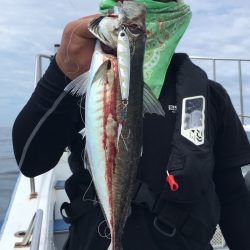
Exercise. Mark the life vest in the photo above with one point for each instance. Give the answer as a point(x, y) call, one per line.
point(188, 202)
point(193, 209)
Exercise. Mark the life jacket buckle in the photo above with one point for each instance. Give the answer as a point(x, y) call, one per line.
point(160, 230)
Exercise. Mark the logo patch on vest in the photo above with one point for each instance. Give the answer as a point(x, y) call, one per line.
point(172, 108)
point(193, 119)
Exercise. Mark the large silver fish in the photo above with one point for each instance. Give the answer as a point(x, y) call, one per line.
point(116, 100)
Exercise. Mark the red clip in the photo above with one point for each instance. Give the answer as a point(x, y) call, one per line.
point(172, 183)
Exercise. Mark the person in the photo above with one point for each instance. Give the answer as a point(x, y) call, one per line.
point(207, 164)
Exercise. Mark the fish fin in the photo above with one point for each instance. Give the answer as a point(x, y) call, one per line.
point(83, 133)
point(78, 86)
point(94, 27)
point(95, 22)
point(150, 103)
point(102, 70)
point(86, 161)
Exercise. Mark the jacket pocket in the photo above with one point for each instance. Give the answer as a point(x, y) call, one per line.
point(192, 173)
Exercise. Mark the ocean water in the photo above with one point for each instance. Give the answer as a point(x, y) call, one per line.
point(8, 170)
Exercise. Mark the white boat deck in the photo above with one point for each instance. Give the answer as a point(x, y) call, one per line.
point(22, 207)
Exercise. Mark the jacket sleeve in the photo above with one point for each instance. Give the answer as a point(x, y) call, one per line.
point(235, 208)
point(39, 150)
point(232, 150)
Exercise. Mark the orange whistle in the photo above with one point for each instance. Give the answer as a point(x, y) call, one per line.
point(172, 183)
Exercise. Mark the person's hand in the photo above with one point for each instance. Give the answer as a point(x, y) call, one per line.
point(76, 49)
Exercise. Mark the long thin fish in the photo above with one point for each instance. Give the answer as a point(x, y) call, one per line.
point(113, 163)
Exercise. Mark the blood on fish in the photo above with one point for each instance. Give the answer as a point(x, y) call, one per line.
point(112, 15)
point(112, 175)
point(109, 142)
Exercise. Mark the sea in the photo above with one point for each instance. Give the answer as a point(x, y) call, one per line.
point(8, 170)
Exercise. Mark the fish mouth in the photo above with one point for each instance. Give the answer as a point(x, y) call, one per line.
point(108, 50)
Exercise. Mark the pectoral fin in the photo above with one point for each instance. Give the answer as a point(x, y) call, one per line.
point(150, 103)
point(78, 86)
point(102, 71)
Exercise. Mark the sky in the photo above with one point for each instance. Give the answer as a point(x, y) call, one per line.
point(219, 28)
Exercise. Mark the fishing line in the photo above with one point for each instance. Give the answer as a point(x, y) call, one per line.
point(83, 198)
point(125, 144)
point(81, 107)
point(67, 50)
point(108, 235)
point(104, 235)
point(125, 138)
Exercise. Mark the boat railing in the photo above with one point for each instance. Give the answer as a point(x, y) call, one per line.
point(38, 76)
point(37, 230)
point(34, 231)
point(38, 67)
point(213, 60)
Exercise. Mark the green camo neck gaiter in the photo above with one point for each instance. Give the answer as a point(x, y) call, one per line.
point(165, 24)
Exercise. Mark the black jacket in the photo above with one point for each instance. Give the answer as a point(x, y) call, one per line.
point(230, 147)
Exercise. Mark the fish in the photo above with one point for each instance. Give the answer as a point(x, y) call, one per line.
point(116, 99)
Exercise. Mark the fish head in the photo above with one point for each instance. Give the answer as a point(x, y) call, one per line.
point(132, 15)
point(128, 16)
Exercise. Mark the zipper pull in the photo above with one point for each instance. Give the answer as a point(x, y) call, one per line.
point(174, 186)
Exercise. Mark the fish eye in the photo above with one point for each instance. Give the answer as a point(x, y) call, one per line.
point(122, 34)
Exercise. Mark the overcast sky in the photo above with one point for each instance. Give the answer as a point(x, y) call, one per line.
point(28, 27)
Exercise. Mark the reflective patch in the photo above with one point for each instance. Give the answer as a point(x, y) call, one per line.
point(172, 108)
point(193, 119)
